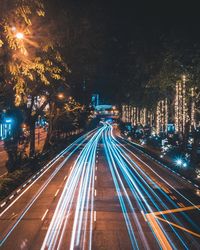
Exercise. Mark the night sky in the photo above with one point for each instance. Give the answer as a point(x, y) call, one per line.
point(144, 24)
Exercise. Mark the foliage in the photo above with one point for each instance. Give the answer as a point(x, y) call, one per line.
point(31, 65)
point(33, 61)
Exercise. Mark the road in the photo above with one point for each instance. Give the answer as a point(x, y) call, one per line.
point(102, 193)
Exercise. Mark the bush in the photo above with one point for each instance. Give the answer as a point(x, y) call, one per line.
point(12, 181)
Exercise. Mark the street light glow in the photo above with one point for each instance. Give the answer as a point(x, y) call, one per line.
point(19, 35)
point(61, 96)
point(179, 162)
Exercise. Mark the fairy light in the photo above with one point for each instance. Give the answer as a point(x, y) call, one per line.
point(141, 116)
point(184, 105)
point(129, 113)
point(166, 114)
point(132, 115)
point(180, 106)
point(158, 118)
point(177, 109)
point(145, 117)
point(123, 113)
point(126, 113)
point(162, 115)
point(135, 116)
point(193, 123)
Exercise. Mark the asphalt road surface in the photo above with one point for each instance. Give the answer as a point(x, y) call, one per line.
point(102, 193)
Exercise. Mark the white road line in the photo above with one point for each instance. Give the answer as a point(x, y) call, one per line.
point(44, 214)
point(57, 192)
point(18, 190)
point(3, 204)
point(95, 177)
point(11, 197)
point(95, 192)
point(65, 177)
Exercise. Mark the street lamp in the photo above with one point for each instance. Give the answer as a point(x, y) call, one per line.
point(61, 96)
point(19, 35)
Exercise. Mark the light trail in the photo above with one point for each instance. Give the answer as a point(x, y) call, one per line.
point(167, 183)
point(71, 150)
point(131, 163)
point(136, 179)
point(79, 192)
point(120, 188)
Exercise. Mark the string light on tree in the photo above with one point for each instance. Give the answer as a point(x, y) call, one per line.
point(193, 121)
point(162, 116)
point(180, 106)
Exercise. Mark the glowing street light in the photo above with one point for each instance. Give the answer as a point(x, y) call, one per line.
point(179, 162)
point(61, 96)
point(19, 35)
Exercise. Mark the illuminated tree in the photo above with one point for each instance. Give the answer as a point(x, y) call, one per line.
point(31, 62)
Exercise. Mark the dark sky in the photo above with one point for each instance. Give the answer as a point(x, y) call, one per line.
point(126, 21)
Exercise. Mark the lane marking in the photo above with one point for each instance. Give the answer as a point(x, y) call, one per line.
point(95, 177)
point(45, 214)
point(3, 204)
point(65, 177)
point(95, 192)
point(11, 197)
point(56, 193)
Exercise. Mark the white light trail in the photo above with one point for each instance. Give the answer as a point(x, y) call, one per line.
point(79, 192)
point(72, 148)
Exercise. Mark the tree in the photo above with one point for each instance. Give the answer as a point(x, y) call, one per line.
point(31, 62)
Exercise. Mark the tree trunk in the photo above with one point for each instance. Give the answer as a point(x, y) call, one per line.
point(11, 147)
point(186, 137)
point(32, 137)
point(50, 125)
